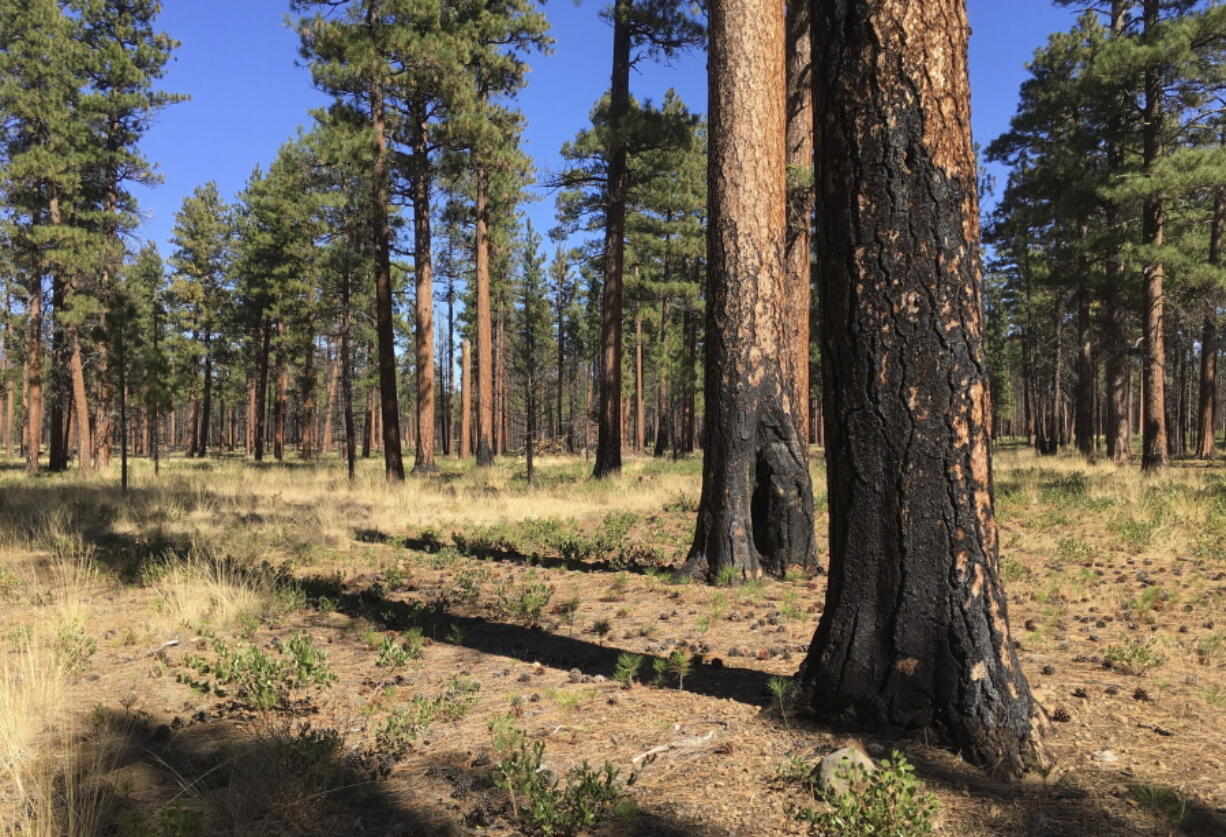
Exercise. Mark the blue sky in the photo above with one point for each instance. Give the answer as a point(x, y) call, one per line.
point(239, 63)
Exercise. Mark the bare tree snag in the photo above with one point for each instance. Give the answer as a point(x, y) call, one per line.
point(914, 633)
point(755, 515)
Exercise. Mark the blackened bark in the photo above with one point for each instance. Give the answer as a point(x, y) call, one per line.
point(347, 373)
point(1206, 413)
point(755, 515)
point(914, 633)
point(609, 419)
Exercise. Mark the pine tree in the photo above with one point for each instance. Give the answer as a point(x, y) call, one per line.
point(908, 454)
point(755, 514)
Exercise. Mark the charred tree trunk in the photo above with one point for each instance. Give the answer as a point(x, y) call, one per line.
point(1205, 448)
point(914, 632)
point(347, 374)
point(609, 419)
point(280, 399)
point(261, 389)
point(755, 515)
point(797, 260)
point(640, 399)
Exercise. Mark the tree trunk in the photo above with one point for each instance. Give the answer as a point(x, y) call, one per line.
point(609, 424)
point(755, 514)
point(1154, 454)
point(640, 410)
point(1084, 430)
point(334, 376)
point(80, 403)
point(466, 400)
point(663, 396)
point(393, 462)
point(207, 403)
point(485, 341)
point(280, 403)
point(797, 259)
point(306, 440)
point(347, 375)
point(261, 388)
point(423, 333)
point(914, 632)
point(1208, 340)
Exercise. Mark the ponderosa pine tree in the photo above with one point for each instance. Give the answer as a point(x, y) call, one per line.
point(653, 26)
point(755, 515)
point(799, 262)
point(914, 633)
point(199, 294)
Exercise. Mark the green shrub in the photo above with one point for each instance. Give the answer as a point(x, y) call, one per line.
point(394, 735)
point(889, 801)
point(74, 647)
point(393, 654)
point(525, 601)
point(543, 804)
point(1132, 657)
point(627, 668)
point(261, 680)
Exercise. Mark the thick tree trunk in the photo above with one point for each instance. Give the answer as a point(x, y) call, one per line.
point(1205, 447)
point(609, 424)
point(206, 407)
point(423, 333)
point(466, 400)
point(1154, 453)
point(261, 388)
point(32, 376)
point(914, 632)
point(485, 339)
point(393, 462)
point(755, 515)
point(798, 262)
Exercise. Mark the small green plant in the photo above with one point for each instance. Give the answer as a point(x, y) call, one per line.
point(619, 586)
point(394, 577)
point(74, 647)
point(394, 736)
point(679, 665)
point(602, 627)
point(1132, 657)
point(524, 602)
point(1161, 801)
point(543, 804)
point(264, 681)
point(727, 576)
point(1151, 599)
point(627, 669)
point(394, 654)
point(781, 688)
point(889, 801)
point(1073, 549)
point(1012, 569)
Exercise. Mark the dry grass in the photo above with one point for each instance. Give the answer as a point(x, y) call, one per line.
point(211, 545)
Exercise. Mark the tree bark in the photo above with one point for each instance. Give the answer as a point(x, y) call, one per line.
point(485, 344)
point(347, 374)
point(1084, 422)
point(755, 514)
point(280, 398)
point(466, 400)
point(640, 408)
point(306, 440)
point(1206, 414)
point(609, 424)
point(334, 376)
point(423, 333)
point(914, 633)
point(80, 403)
point(798, 260)
point(663, 396)
point(393, 462)
point(1154, 452)
point(61, 386)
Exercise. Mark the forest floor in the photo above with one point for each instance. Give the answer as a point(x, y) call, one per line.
point(160, 670)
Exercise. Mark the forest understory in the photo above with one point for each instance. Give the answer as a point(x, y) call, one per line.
point(162, 673)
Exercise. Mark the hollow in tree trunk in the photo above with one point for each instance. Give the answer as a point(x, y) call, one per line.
point(755, 514)
point(914, 633)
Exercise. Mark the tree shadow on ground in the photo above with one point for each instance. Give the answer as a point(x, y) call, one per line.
point(281, 776)
point(528, 643)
